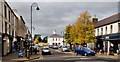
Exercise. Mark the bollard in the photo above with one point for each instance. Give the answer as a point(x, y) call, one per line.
point(28, 56)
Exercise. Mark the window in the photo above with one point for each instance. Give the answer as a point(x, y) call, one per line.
point(106, 30)
point(53, 39)
point(9, 30)
point(101, 31)
point(111, 27)
point(9, 15)
point(56, 39)
point(98, 32)
point(119, 27)
point(5, 11)
point(5, 27)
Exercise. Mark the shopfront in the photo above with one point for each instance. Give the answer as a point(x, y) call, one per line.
point(111, 41)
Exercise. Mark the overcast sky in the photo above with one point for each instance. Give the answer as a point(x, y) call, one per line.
point(56, 14)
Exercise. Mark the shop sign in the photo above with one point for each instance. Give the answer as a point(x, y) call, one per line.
point(107, 37)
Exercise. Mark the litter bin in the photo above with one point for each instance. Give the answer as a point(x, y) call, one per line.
point(20, 53)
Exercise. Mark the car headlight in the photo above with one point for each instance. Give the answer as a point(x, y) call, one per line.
point(88, 52)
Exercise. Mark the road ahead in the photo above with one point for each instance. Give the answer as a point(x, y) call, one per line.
point(58, 56)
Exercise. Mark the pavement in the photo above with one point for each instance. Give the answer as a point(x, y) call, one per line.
point(108, 56)
point(14, 57)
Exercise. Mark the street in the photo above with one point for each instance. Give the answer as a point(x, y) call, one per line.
point(58, 56)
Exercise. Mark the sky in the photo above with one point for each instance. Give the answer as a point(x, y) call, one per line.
point(56, 14)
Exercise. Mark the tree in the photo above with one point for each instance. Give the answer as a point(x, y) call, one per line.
point(45, 39)
point(67, 33)
point(83, 30)
point(36, 41)
point(38, 36)
point(39, 39)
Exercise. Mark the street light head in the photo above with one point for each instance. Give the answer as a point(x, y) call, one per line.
point(37, 8)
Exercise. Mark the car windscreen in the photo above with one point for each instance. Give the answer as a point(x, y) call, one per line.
point(45, 48)
point(88, 49)
point(64, 46)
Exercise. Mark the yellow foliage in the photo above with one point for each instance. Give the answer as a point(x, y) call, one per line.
point(36, 41)
point(83, 30)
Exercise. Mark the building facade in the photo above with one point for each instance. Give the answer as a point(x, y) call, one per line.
point(107, 32)
point(55, 39)
point(11, 26)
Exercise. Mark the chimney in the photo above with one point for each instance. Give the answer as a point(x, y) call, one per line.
point(54, 32)
point(94, 20)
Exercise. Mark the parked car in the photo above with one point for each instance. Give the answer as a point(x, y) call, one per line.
point(45, 50)
point(84, 51)
point(64, 48)
point(50, 46)
point(55, 47)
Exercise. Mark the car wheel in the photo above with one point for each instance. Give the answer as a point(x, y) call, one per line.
point(85, 54)
point(93, 54)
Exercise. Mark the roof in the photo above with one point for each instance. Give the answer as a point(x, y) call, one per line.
point(109, 20)
point(55, 35)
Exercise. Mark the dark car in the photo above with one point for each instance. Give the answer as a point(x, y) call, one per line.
point(84, 51)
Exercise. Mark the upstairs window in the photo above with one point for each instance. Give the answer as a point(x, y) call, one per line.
point(98, 32)
point(5, 11)
point(9, 30)
point(9, 16)
point(53, 39)
point(101, 31)
point(56, 39)
point(106, 30)
point(111, 27)
point(5, 27)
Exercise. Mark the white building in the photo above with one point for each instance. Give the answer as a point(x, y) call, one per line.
point(55, 39)
point(107, 31)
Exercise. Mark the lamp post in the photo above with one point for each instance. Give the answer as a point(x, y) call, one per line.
point(63, 37)
point(37, 8)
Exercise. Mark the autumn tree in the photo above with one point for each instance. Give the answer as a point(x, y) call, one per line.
point(67, 33)
point(83, 30)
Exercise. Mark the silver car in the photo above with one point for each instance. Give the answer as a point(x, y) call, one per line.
point(64, 48)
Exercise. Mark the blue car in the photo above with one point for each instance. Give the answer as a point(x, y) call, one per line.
point(84, 51)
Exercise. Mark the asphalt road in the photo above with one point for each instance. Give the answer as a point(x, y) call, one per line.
point(58, 56)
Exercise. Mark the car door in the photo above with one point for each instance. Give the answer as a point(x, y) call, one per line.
point(81, 51)
point(78, 50)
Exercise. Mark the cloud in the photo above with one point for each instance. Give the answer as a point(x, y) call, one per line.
point(56, 15)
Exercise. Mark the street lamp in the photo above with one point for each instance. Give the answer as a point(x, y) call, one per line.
point(63, 36)
point(37, 8)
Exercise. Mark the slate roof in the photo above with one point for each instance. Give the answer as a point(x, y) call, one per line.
point(108, 20)
point(55, 35)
